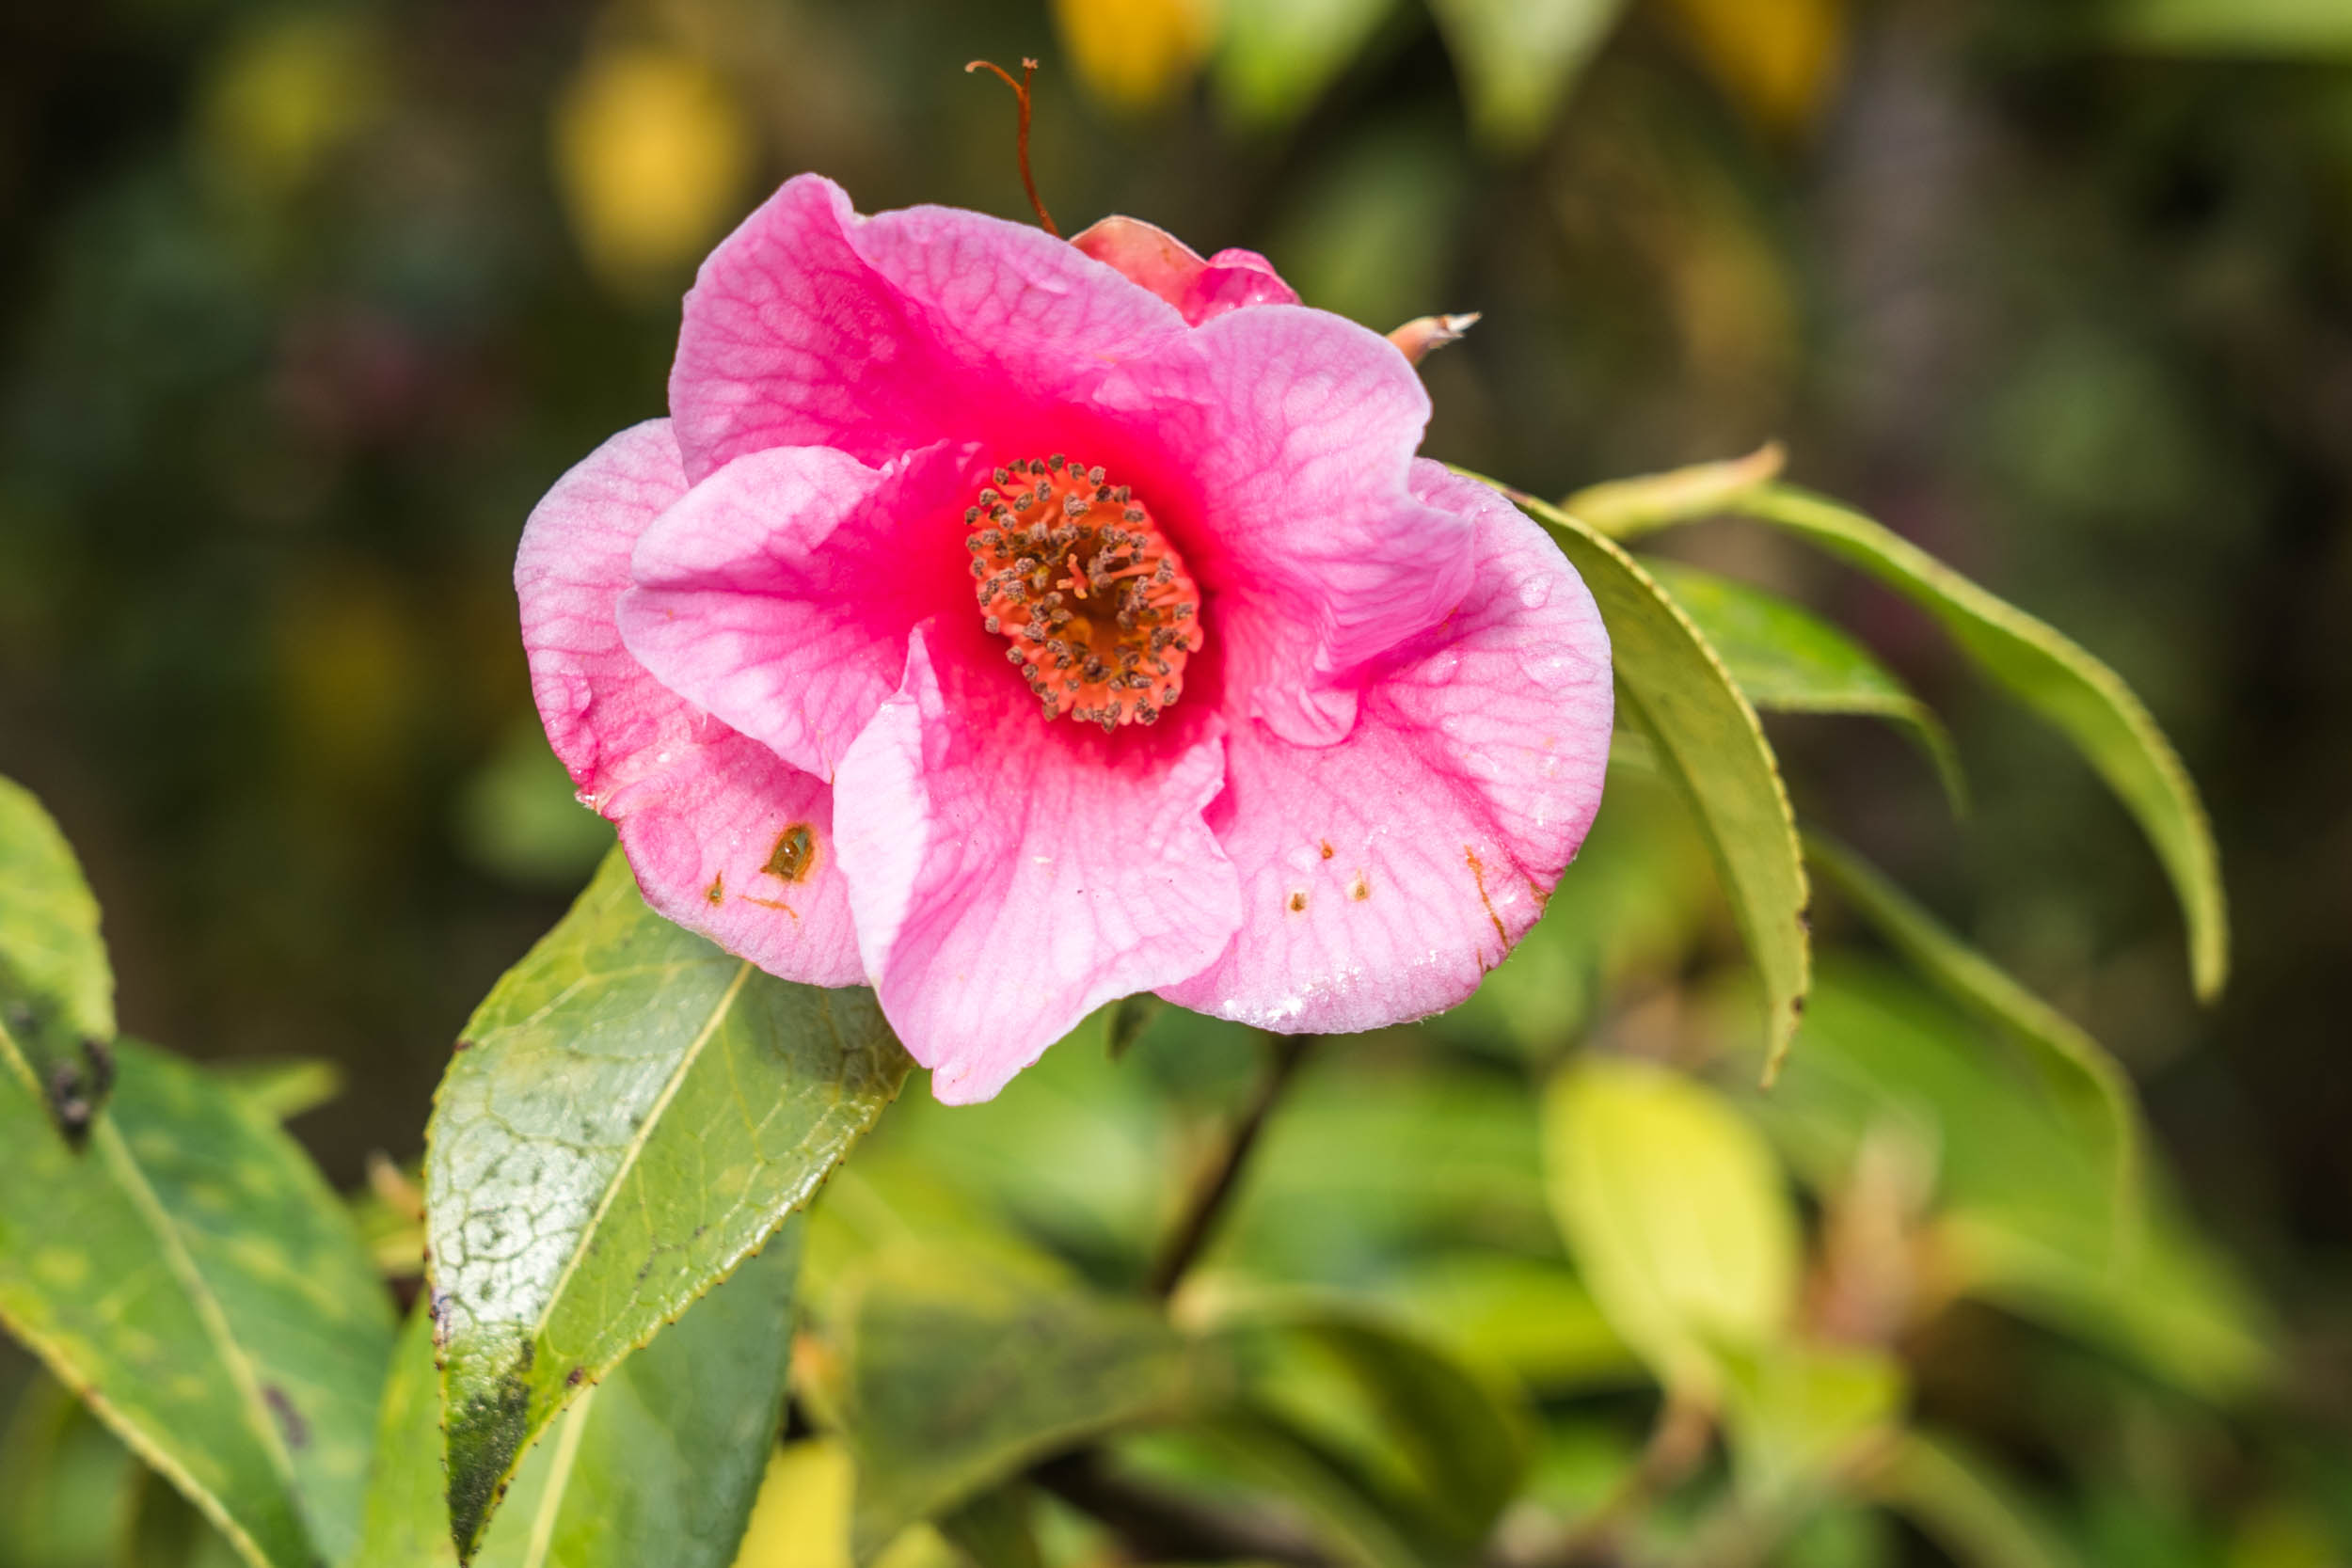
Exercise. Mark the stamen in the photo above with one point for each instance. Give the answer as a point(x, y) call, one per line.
point(1028, 182)
point(1088, 604)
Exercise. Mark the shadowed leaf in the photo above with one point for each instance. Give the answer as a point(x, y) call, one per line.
point(192, 1277)
point(630, 1114)
point(657, 1464)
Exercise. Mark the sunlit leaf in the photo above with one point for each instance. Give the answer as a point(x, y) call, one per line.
point(946, 1379)
point(651, 151)
point(1134, 53)
point(1277, 56)
point(801, 1518)
point(1709, 739)
point(631, 1113)
point(1797, 1413)
point(190, 1273)
point(2046, 671)
point(1675, 1210)
point(1518, 58)
point(1962, 1503)
point(56, 988)
point(1787, 660)
point(2091, 1084)
point(1441, 1445)
point(656, 1463)
point(1531, 1318)
point(282, 1087)
point(2277, 30)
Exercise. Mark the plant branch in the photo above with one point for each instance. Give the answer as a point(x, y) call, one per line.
point(1198, 1223)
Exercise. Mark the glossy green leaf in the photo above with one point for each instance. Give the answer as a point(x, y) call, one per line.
point(191, 1276)
point(1971, 1511)
point(631, 1113)
point(1797, 1414)
point(1787, 660)
point(2093, 1089)
point(1441, 1444)
point(946, 1379)
point(56, 988)
point(2087, 701)
point(1672, 686)
point(1275, 58)
point(1518, 58)
point(656, 1463)
point(1676, 1211)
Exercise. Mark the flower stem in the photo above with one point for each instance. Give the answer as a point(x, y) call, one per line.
point(1192, 1233)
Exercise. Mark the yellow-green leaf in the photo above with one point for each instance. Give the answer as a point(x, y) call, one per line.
point(1676, 1211)
point(1518, 58)
point(56, 988)
point(1671, 683)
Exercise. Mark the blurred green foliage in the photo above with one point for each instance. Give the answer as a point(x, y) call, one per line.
point(302, 307)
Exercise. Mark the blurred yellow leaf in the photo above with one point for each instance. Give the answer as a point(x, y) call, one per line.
point(286, 94)
point(651, 151)
point(1136, 54)
point(1675, 1211)
point(801, 1516)
point(1777, 59)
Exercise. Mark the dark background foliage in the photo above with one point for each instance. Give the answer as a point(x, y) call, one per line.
point(301, 307)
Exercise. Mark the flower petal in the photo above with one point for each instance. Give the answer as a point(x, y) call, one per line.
point(1009, 875)
point(1382, 876)
point(810, 325)
point(1290, 435)
point(777, 594)
point(1200, 290)
point(726, 838)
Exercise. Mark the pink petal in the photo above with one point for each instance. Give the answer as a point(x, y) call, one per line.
point(1010, 876)
point(777, 594)
point(704, 812)
point(1284, 443)
point(1200, 290)
point(810, 325)
point(1382, 876)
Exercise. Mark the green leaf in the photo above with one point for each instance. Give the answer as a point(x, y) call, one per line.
point(1441, 1444)
point(631, 1112)
point(286, 1087)
point(1625, 507)
point(1796, 1415)
point(995, 1529)
point(1350, 1526)
point(56, 988)
point(1674, 688)
point(65, 1482)
point(2042, 668)
point(1676, 1211)
point(2093, 1089)
point(1528, 1318)
point(2025, 1201)
point(1968, 1508)
point(2273, 29)
point(1277, 56)
point(1518, 58)
point(1787, 660)
point(192, 1276)
point(946, 1379)
point(656, 1463)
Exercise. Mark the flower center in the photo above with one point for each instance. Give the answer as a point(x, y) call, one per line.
point(1096, 603)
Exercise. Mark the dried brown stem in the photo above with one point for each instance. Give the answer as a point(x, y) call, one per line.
point(1021, 93)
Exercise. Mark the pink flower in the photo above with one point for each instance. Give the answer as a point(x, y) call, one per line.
point(1017, 625)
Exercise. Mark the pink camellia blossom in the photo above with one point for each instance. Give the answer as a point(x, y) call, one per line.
point(1016, 623)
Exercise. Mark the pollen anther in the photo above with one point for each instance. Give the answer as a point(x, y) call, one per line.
point(1097, 604)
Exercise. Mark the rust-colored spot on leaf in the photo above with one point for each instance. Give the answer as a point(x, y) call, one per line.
point(1328, 850)
point(795, 854)
point(1478, 874)
point(717, 890)
point(1298, 902)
